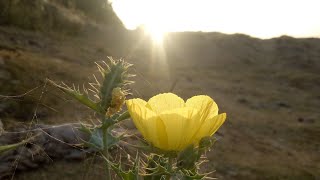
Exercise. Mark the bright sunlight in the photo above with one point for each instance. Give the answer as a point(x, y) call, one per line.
point(155, 32)
point(264, 19)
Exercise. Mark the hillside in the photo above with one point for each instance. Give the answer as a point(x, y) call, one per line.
point(269, 88)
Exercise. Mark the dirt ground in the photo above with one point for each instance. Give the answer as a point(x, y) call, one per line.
point(268, 88)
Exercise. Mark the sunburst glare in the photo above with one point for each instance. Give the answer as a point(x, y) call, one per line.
point(156, 33)
point(264, 19)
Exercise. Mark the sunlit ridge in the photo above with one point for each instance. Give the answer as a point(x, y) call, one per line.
point(264, 19)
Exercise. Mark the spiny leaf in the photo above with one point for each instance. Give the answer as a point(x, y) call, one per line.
point(131, 174)
point(189, 175)
point(96, 139)
point(155, 167)
point(114, 76)
point(82, 98)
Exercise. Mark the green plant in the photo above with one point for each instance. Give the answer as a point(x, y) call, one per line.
point(106, 96)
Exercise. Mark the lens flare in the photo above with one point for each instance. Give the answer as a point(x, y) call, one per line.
point(155, 33)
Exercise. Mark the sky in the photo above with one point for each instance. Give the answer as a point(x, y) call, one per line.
point(257, 18)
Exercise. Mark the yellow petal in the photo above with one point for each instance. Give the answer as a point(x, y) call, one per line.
point(138, 101)
point(205, 105)
point(165, 101)
point(210, 126)
point(136, 112)
point(181, 125)
point(147, 122)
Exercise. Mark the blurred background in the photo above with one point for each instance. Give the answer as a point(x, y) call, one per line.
point(259, 61)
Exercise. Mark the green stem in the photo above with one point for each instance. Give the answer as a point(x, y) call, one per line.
point(170, 164)
point(105, 150)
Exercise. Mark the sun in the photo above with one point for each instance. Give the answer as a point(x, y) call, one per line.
point(156, 33)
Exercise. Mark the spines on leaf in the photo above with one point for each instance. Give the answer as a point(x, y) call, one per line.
point(109, 93)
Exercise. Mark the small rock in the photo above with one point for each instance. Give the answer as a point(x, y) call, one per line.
point(284, 105)
point(300, 119)
point(243, 101)
point(34, 43)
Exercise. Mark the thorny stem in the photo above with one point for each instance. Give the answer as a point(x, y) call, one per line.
point(170, 164)
point(105, 150)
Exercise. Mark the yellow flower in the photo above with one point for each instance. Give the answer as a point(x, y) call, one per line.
point(169, 123)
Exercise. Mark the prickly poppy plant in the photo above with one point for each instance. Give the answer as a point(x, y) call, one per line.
point(176, 133)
